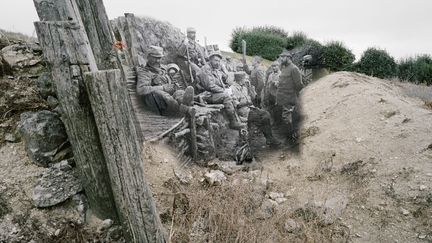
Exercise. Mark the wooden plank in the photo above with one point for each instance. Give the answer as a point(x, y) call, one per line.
point(56, 10)
point(99, 32)
point(109, 99)
point(193, 139)
point(66, 48)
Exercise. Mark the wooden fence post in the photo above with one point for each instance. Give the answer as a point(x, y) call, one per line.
point(110, 104)
point(65, 46)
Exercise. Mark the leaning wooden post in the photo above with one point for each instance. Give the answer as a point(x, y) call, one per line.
point(109, 99)
point(67, 50)
point(99, 32)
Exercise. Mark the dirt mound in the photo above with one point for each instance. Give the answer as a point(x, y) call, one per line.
point(364, 175)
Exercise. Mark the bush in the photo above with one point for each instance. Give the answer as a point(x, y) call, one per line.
point(337, 57)
point(297, 39)
point(267, 42)
point(378, 63)
point(418, 69)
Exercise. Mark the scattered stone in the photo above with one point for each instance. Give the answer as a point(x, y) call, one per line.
point(281, 200)
point(43, 133)
point(185, 177)
point(291, 226)
point(267, 209)
point(275, 195)
point(228, 167)
point(57, 232)
point(45, 85)
point(422, 187)
point(12, 138)
point(333, 209)
point(389, 114)
point(106, 224)
point(422, 236)
point(405, 212)
point(215, 177)
point(52, 102)
point(63, 166)
point(55, 186)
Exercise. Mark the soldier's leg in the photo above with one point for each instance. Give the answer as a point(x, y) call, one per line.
point(262, 120)
point(225, 99)
point(162, 102)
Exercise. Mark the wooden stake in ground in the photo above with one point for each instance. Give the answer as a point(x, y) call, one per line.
point(109, 99)
point(67, 50)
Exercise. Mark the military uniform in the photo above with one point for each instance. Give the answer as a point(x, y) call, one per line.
point(157, 90)
point(211, 81)
point(287, 98)
point(257, 79)
point(243, 95)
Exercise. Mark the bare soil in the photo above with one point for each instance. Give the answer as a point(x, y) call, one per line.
point(364, 140)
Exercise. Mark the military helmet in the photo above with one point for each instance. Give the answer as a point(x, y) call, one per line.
point(216, 53)
point(156, 51)
point(190, 30)
point(286, 53)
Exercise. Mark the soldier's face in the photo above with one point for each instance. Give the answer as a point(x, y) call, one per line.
point(172, 72)
point(191, 35)
point(275, 68)
point(215, 62)
point(154, 61)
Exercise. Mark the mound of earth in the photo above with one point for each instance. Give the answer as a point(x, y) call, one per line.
point(364, 175)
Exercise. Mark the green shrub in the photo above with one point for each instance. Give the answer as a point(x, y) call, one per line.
point(378, 63)
point(267, 42)
point(417, 69)
point(297, 39)
point(337, 57)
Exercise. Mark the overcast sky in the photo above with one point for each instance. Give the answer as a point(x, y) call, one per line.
point(403, 27)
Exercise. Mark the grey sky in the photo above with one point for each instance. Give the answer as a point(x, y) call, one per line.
point(401, 27)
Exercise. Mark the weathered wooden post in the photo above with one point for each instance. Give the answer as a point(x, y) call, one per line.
point(66, 48)
point(110, 104)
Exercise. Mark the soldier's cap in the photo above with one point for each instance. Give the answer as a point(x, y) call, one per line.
point(190, 30)
point(238, 76)
point(215, 53)
point(275, 63)
point(156, 51)
point(286, 54)
point(173, 66)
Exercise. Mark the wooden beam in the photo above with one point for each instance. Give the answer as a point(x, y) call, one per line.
point(66, 48)
point(109, 99)
point(99, 32)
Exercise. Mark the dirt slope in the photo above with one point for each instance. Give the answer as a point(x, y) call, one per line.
point(365, 149)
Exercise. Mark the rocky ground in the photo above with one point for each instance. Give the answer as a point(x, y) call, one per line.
point(364, 173)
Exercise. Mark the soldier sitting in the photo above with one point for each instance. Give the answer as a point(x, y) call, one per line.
point(156, 88)
point(243, 94)
point(210, 78)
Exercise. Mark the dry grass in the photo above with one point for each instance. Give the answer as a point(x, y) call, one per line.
point(230, 213)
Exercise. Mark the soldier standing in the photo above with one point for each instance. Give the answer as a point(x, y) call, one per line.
point(287, 96)
point(157, 90)
point(257, 77)
point(270, 89)
point(192, 50)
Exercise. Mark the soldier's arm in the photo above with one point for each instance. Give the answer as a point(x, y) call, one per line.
point(297, 77)
point(208, 84)
point(261, 79)
point(246, 68)
point(144, 82)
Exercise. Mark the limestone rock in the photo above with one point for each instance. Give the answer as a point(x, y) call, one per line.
point(215, 177)
point(43, 133)
point(55, 186)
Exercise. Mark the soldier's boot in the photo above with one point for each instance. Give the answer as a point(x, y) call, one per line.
point(270, 139)
point(188, 97)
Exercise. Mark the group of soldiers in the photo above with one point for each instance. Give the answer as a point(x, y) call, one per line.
point(250, 95)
